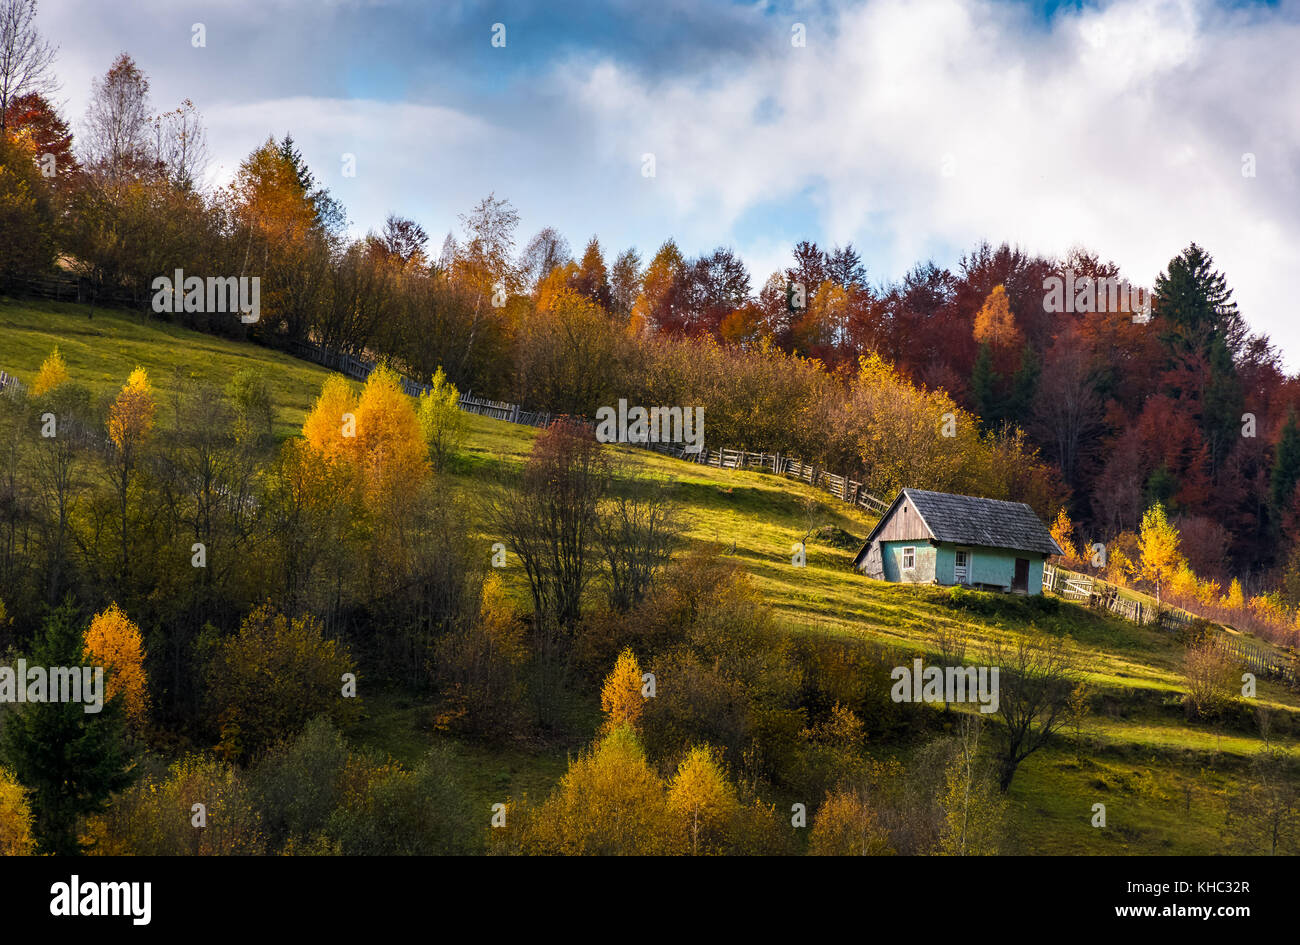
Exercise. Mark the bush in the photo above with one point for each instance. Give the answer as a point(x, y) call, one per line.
point(268, 680)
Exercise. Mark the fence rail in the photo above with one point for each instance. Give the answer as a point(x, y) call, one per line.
point(1105, 596)
point(70, 288)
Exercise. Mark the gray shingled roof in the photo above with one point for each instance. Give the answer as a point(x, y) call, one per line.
point(967, 520)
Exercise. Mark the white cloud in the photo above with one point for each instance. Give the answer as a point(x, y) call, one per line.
point(1121, 129)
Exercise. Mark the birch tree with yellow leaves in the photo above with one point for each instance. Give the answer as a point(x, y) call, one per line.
point(130, 423)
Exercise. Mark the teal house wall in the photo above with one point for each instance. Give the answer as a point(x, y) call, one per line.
point(936, 564)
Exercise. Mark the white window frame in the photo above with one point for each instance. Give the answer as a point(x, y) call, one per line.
point(909, 552)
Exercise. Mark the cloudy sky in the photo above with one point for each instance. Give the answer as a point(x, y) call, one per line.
point(913, 128)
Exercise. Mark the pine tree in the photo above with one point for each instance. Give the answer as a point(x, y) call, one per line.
point(1195, 305)
point(69, 759)
point(983, 386)
point(1286, 467)
point(1020, 402)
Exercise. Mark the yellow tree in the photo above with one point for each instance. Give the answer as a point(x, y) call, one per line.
point(701, 799)
point(331, 425)
point(389, 444)
point(1158, 544)
point(114, 642)
point(130, 422)
point(1063, 534)
point(16, 838)
point(610, 802)
point(846, 825)
point(53, 373)
point(995, 323)
point(1234, 599)
point(620, 697)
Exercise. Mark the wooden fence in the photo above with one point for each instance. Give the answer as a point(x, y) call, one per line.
point(1105, 596)
point(71, 288)
point(841, 487)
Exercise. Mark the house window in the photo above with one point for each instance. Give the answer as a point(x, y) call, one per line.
point(909, 559)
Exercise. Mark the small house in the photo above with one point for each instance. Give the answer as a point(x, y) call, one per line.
point(937, 538)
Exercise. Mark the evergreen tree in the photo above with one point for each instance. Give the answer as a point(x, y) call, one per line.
point(330, 215)
point(1222, 402)
point(1195, 306)
point(1024, 384)
point(69, 759)
point(1286, 467)
point(983, 386)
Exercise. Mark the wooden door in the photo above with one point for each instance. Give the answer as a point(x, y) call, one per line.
point(1021, 581)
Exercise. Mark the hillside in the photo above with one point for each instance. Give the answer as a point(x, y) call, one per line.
point(1165, 782)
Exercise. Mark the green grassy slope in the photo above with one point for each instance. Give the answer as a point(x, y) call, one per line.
point(101, 351)
point(1165, 782)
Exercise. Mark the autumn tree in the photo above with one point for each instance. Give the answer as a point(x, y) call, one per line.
point(609, 802)
point(480, 670)
point(973, 809)
point(27, 215)
point(114, 642)
point(1158, 542)
point(639, 525)
point(545, 252)
point(117, 122)
point(1266, 817)
point(624, 283)
point(266, 681)
point(156, 816)
point(1063, 534)
point(995, 324)
point(702, 801)
point(592, 279)
point(53, 372)
point(847, 824)
point(620, 697)
point(16, 837)
point(661, 304)
point(548, 518)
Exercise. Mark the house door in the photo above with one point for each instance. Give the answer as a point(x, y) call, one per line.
point(961, 568)
point(1021, 582)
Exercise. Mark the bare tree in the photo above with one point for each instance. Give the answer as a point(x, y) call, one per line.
point(181, 145)
point(25, 58)
point(637, 529)
point(545, 252)
point(117, 120)
point(1035, 681)
point(548, 519)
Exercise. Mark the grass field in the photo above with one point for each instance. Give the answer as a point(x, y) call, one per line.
point(1165, 781)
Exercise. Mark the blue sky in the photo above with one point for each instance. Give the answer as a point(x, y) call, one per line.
point(913, 129)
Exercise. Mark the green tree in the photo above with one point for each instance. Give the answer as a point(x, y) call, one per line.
point(70, 760)
point(983, 387)
point(1286, 467)
point(441, 420)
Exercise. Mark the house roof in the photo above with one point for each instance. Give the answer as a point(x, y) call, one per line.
point(968, 520)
